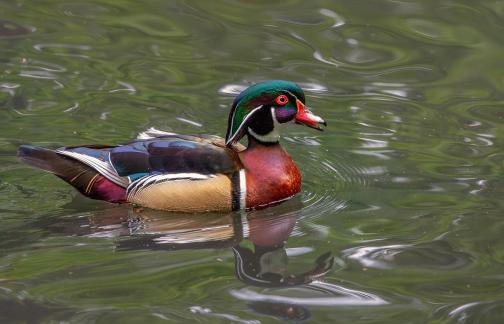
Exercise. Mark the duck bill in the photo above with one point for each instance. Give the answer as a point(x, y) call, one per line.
point(305, 117)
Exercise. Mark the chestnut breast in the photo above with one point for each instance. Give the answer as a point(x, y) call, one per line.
point(271, 175)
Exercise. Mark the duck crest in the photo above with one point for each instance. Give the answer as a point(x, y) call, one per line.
point(271, 175)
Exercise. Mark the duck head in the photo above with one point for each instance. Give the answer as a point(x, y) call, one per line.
point(261, 108)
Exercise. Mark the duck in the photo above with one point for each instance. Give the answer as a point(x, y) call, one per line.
point(194, 173)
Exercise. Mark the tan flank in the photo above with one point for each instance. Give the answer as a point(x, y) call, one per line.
point(213, 194)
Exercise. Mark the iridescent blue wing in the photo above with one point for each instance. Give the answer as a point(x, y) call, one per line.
point(167, 154)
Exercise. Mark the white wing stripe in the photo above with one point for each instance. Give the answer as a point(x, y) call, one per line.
point(243, 190)
point(102, 167)
point(146, 181)
point(153, 133)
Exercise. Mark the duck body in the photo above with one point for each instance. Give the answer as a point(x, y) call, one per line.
point(192, 173)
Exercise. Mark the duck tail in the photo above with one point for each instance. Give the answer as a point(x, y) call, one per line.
point(84, 178)
point(47, 160)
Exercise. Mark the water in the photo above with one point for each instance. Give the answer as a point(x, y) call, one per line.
point(400, 215)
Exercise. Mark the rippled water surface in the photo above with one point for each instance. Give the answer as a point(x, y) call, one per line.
point(400, 218)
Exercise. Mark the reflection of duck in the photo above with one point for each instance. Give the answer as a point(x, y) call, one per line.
point(258, 240)
point(194, 173)
point(265, 264)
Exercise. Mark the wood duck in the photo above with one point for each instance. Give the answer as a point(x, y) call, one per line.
point(194, 173)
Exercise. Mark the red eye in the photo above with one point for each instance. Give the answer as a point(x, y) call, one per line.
point(282, 100)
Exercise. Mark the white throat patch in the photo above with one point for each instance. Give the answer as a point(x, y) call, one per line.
point(271, 137)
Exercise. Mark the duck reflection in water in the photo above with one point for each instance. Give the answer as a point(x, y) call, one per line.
point(257, 238)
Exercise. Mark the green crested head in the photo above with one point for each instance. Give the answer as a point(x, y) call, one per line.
point(261, 105)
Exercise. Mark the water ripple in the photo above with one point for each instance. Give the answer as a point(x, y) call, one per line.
point(405, 185)
point(209, 313)
point(483, 311)
point(40, 47)
point(433, 255)
point(13, 29)
point(338, 20)
point(332, 295)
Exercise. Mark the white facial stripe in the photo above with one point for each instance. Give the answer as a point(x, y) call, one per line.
point(293, 95)
point(242, 124)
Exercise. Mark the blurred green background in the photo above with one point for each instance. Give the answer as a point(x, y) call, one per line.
point(404, 187)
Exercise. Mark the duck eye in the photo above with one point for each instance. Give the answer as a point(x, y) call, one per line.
point(282, 100)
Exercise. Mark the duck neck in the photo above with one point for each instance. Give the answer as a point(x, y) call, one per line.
point(254, 142)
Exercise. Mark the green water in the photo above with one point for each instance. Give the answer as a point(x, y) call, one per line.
point(404, 188)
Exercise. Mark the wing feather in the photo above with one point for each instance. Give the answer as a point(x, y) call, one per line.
point(104, 168)
point(145, 182)
point(169, 157)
